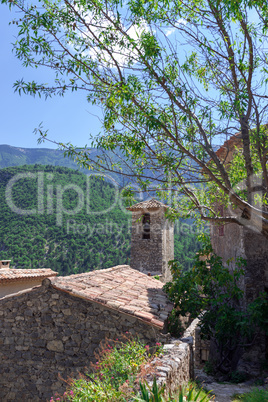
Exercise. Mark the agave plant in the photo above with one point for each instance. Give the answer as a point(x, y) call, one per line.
point(191, 393)
point(184, 394)
point(153, 394)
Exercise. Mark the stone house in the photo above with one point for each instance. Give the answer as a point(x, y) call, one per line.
point(51, 332)
point(14, 280)
point(231, 240)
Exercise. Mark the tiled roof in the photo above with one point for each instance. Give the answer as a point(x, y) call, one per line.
point(151, 204)
point(12, 275)
point(120, 288)
point(229, 145)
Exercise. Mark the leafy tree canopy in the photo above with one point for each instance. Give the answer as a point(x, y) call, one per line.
point(174, 80)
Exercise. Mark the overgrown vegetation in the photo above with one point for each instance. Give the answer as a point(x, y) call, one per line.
point(212, 291)
point(113, 375)
point(97, 236)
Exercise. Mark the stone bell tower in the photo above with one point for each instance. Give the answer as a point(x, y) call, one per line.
point(152, 239)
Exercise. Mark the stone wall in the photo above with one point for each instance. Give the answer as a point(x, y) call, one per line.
point(201, 349)
point(227, 241)
point(240, 241)
point(45, 333)
point(256, 273)
point(152, 255)
point(176, 366)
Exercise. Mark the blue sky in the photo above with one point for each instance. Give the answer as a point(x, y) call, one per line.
point(69, 119)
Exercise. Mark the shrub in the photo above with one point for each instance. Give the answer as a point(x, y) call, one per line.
point(211, 291)
point(122, 362)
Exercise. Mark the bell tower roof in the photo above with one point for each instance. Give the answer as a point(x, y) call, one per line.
point(150, 205)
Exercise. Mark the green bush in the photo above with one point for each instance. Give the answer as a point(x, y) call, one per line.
point(211, 291)
point(236, 377)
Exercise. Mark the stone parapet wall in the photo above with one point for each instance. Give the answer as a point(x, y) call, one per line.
point(47, 335)
point(176, 366)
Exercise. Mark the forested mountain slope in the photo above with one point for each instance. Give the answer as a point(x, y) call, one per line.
point(56, 217)
point(14, 156)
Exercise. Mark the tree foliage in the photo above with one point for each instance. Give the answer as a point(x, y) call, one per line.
point(174, 80)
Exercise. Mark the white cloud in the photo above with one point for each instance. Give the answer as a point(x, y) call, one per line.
point(181, 21)
point(101, 26)
point(170, 31)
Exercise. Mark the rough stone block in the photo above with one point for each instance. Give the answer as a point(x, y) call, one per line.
point(55, 346)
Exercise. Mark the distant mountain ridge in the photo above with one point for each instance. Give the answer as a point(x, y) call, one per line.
point(17, 156)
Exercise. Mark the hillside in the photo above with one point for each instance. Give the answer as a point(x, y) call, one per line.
point(13, 156)
point(97, 236)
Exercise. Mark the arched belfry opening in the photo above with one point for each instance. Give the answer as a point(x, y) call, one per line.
point(152, 239)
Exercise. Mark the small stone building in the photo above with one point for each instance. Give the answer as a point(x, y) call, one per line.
point(51, 332)
point(14, 280)
point(152, 239)
point(230, 241)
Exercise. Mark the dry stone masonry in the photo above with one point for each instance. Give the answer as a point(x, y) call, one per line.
point(176, 366)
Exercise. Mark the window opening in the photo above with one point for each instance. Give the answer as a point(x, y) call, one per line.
point(146, 226)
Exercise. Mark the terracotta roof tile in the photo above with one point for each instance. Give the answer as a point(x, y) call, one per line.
point(120, 288)
point(228, 146)
point(12, 275)
point(151, 204)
